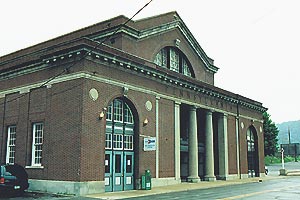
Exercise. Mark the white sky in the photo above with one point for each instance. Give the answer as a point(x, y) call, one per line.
point(255, 43)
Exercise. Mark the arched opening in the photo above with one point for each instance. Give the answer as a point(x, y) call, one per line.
point(173, 59)
point(252, 152)
point(120, 146)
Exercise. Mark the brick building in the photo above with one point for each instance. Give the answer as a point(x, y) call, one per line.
point(91, 110)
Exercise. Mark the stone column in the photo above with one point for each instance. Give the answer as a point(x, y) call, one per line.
point(223, 146)
point(177, 140)
point(193, 147)
point(209, 148)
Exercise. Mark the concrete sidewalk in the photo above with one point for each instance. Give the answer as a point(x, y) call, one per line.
point(177, 188)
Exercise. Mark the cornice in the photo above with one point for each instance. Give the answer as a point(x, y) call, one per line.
point(176, 24)
point(157, 74)
point(170, 78)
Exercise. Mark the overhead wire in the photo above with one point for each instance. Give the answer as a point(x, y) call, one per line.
point(82, 57)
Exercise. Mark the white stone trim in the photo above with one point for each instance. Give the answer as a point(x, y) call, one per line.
point(157, 137)
point(158, 182)
point(244, 176)
point(177, 139)
point(103, 79)
point(66, 187)
point(232, 177)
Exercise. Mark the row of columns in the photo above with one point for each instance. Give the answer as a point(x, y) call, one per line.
point(209, 147)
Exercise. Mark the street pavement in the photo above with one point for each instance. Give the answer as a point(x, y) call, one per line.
point(178, 188)
point(293, 169)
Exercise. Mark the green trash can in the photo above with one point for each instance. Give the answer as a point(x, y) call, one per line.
point(146, 180)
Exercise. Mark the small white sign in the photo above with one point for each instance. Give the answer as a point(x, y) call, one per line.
point(150, 144)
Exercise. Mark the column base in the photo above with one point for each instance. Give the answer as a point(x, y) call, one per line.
point(210, 178)
point(193, 179)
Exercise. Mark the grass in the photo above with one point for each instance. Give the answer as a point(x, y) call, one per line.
point(275, 159)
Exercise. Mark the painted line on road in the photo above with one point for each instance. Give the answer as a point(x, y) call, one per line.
point(257, 193)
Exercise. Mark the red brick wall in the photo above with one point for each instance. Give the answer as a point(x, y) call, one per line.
point(166, 139)
point(232, 155)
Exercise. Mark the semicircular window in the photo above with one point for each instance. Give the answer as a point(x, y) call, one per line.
point(173, 59)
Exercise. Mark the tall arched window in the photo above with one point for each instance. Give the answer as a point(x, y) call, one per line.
point(253, 165)
point(173, 59)
point(119, 146)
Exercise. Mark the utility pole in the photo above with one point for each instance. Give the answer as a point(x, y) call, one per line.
point(289, 134)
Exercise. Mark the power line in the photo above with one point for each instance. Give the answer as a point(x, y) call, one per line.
point(84, 56)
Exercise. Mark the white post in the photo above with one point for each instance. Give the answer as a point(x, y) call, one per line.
point(282, 158)
point(157, 137)
point(177, 140)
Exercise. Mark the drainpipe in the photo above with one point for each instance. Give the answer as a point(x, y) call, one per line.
point(3, 129)
point(237, 123)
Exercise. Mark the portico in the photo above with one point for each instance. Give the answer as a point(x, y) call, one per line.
point(199, 127)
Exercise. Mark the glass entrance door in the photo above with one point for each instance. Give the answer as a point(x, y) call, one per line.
point(119, 147)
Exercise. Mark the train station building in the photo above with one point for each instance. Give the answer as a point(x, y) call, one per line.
point(90, 111)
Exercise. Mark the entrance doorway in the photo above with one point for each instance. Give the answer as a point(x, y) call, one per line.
point(252, 156)
point(119, 147)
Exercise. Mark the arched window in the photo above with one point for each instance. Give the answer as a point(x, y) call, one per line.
point(119, 147)
point(253, 168)
point(119, 111)
point(173, 59)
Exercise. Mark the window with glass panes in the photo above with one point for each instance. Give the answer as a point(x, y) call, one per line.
point(118, 110)
point(37, 144)
point(11, 144)
point(250, 141)
point(118, 116)
point(173, 59)
point(128, 142)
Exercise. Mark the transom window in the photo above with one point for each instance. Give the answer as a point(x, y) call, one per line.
point(11, 144)
point(119, 126)
point(173, 59)
point(250, 141)
point(37, 144)
point(119, 112)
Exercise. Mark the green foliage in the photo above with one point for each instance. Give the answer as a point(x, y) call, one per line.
point(275, 159)
point(272, 160)
point(270, 135)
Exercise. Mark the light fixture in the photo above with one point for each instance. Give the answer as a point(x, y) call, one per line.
point(145, 122)
point(102, 113)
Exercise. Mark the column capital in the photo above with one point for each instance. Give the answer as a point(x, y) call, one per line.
point(177, 102)
point(192, 108)
point(225, 115)
point(209, 112)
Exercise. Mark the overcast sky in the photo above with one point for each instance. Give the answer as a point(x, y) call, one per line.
point(255, 43)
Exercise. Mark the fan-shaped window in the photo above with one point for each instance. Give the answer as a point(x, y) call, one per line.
point(175, 60)
point(119, 112)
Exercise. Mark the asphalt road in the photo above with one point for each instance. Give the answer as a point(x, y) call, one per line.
point(283, 188)
point(277, 188)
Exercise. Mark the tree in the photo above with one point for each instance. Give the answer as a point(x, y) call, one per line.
point(270, 135)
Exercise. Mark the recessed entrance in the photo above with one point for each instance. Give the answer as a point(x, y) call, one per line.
point(252, 156)
point(119, 147)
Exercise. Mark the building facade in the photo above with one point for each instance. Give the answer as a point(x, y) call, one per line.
point(90, 111)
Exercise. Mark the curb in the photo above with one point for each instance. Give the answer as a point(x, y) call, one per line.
point(179, 188)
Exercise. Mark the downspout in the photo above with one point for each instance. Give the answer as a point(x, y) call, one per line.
point(3, 120)
point(28, 130)
point(238, 163)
